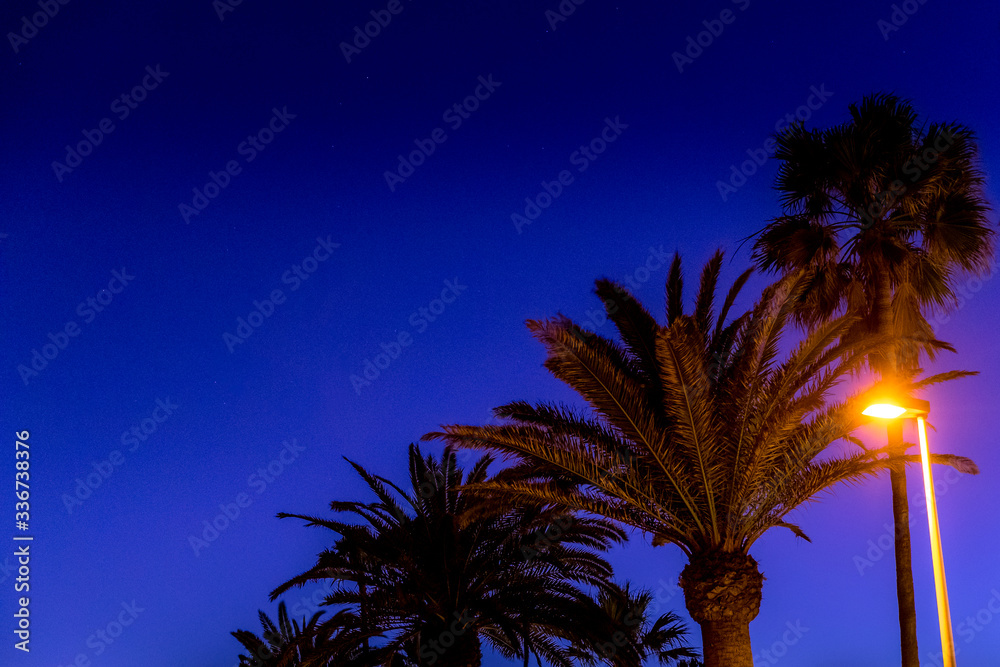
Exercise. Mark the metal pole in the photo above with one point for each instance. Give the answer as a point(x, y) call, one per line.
point(940, 586)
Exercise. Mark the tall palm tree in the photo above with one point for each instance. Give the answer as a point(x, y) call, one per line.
point(884, 216)
point(436, 570)
point(632, 635)
point(696, 434)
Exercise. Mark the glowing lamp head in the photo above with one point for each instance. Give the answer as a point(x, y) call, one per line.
point(884, 410)
point(888, 402)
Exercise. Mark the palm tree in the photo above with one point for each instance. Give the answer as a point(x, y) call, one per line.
point(696, 434)
point(632, 635)
point(288, 644)
point(883, 216)
point(435, 570)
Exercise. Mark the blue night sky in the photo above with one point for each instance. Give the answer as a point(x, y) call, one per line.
point(212, 157)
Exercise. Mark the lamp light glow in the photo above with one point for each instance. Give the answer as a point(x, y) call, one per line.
point(883, 410)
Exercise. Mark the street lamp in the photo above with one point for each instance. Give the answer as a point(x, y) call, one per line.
point(885, 405)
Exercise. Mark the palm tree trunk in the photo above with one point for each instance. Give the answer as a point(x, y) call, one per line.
point(904, 569)
point(900, 502)
point(466, 652)
point(722, 592)
point(726, 644)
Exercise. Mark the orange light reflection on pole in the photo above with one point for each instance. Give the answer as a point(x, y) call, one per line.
point(940, 586)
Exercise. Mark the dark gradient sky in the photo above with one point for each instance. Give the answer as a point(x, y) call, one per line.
point(653, 190)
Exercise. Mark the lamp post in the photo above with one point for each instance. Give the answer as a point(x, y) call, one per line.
point(890, 406)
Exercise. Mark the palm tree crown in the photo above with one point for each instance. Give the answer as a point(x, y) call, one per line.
point(435, 569)
point(289, 644)
point(698, 435)
point(633, 635)
point(884, 216)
